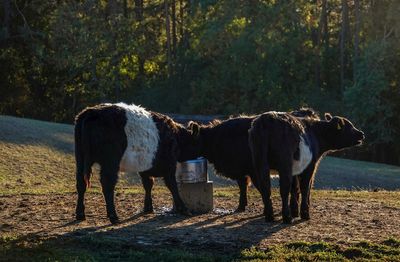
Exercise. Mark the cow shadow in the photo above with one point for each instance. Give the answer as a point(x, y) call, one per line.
point(222, 233)
point(218, 235)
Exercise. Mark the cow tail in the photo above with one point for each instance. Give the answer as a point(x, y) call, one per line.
point(87, 163)
point(82, 149)
point(258, 143)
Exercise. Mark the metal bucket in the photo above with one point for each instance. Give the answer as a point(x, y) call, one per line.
point(192, 171)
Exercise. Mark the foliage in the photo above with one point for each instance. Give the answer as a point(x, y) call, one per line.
point(368, 99)
point(205, 57)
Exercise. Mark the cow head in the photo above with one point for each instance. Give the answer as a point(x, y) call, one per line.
point(342, 133)
point(188, 144)
point(195, 130)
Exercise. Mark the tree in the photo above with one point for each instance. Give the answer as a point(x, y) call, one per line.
point(168, 35)
point(209, 57)
point(7, 18)
point(357, 22)
point(344, 31)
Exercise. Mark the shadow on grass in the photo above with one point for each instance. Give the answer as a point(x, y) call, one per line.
point(146, 237)
point(159, 238)
point(33, 132)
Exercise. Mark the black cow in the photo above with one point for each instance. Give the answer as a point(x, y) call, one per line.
point(294, 146)
point(225, 144)
point(129, 138)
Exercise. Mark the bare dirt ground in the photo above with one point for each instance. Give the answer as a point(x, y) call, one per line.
point(340, 221)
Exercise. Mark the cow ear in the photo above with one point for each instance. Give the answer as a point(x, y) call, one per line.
point(340, 124)
point(194, 128)
point(337, 122)
point(328, 116)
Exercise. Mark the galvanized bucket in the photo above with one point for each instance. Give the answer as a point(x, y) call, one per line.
point(192, 171)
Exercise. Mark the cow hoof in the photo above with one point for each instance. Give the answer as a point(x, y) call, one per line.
point(240, 210)
point(114, 220)
point(80, 217)
point(287, 220)
point(148, 211)
point(305, 216)
point(269, 218)
point(294, 213)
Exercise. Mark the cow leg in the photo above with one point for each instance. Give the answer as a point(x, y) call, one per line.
point(285, 186)
point(243, 183)
point(305, 187)
point(108, 179)
point(148, 183)
point(295, 195)
point(170, 182)
point(263, 185)
point(81, 189)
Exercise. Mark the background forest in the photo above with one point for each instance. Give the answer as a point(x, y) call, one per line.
point(207, 57)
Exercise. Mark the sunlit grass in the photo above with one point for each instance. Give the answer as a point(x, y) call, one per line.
point(36, 157)
point(387, 250)
point(101, 248)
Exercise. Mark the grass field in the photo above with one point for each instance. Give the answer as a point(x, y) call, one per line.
point(37, 204)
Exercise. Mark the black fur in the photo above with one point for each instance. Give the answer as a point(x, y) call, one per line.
point(100, 138)
point(225, 144)
point(274, 139)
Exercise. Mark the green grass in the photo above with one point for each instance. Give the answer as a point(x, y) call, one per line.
point(89, 248)
point(344, 173)
point(388, 250)
point(37, 157)
point(97, 248)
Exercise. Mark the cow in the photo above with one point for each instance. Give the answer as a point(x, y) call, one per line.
point(121, 137)
point(294, 147)
point(225, 145)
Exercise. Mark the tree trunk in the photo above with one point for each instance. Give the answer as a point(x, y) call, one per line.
point(343, 37)
point(74, 102)
point(139, 18)
point(173, 18)
point(357, 18)
point(186, 35)
point(7, 17)
point(125, 6)
point(324, 42)
point(139, 10)
point(181, 17)
point(111, 8)
point(168, 34)
point(324, 22)
point(316, 39)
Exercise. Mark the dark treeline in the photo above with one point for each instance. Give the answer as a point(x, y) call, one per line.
point(207, 57)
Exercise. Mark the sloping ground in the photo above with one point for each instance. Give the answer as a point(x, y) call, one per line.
point(340, 173)
point(37, 156)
